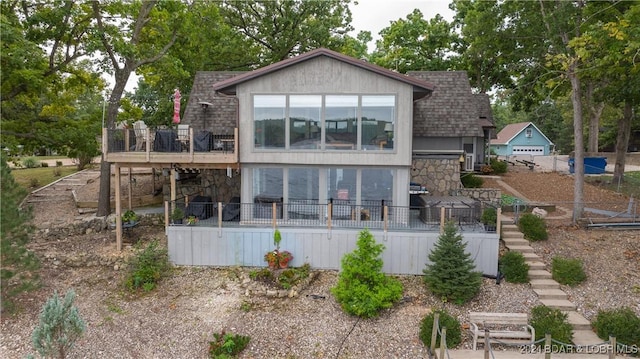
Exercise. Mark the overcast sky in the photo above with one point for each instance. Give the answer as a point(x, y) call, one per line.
point(374, 15)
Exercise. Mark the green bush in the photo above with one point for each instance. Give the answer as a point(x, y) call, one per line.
point(489, 216)
point(514, 267)
point(552, 321)
point(147, 267)
point(44, 164)
point(567, 271)
point(363, 289)
point(451, 274)
point(454, 331)
point(227, 345)
point(533, 227)
point(59, 327)
point(622, 323)
point(30, 162)
point(471, 181)
point(499, 167)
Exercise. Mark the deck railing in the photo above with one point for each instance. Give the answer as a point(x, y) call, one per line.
point(184, 142)
point(309, 213)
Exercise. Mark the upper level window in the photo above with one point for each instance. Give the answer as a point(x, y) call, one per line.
point(528, 132)
point(324, 122)
point(341, 122)
point(304, 121)
point(378, 122)
point(269, 113)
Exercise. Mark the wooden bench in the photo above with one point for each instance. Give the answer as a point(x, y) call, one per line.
point(508, 327)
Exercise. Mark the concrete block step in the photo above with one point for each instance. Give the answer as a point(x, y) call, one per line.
point(543, 283)
point(585, 337)
point(515, 242)
point(538, 274)
point(550, 293)
point(509, 227)
point(519, 248)
point(561, 304)
point(531, 257)
point(511, 234)
point(577, 321)
point(537, 265)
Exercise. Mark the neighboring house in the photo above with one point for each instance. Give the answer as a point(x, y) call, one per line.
point(522, 138)
point(322, 145)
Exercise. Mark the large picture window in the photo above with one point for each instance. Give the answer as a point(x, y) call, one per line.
point(269, 113)
point(341, 122)
point(325, 122)
point(378, 122)
point(304, 122)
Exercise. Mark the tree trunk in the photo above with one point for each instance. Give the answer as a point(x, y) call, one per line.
point(578, 187)
point(595, 113)
point(622, 142)
point(104, 197)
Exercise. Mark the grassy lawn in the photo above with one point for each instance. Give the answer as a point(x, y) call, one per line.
point(32, 178)
point(630, 186)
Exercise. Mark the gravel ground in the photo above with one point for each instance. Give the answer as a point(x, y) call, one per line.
point(178, 319)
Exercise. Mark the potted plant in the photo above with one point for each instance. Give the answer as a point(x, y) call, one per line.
point(277, 258)
point(490, 219)
point(177, 215)
point(191, 220)
point(129, 217)
point(283, 259)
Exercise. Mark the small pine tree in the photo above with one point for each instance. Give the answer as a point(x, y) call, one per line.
point(451, 274)
point(363, 289)
point(59, 328)
point(19, 266)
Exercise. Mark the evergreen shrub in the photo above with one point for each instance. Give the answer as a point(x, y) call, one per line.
point(513, 266)
point(533, 227)
point(621, 323)
point(567, 271)
point(553, 321)
point(451, 274)
point(363, 289)
point(59, 327)
point(147, 267)
point(445, 320)
point(471, 181)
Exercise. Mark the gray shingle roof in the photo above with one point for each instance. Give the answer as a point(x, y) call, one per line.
point(221, 116)
point(452, 110)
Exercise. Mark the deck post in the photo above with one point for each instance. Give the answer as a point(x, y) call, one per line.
point(130, 191)
point(166, 215)
point(274, 215)
point(442, 219)
point(118, 210)
point(174, 172)
point(220, 219)
point(499, 221)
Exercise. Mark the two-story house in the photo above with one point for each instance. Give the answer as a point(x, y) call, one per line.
point(320, 146)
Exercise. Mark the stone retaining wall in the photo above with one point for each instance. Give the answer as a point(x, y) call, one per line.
point(91, 225)
point(492, 195)
point(439, 175)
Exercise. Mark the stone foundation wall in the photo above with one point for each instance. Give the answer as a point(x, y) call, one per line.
point(492, 195)
point(213, 183)
point(439, 175)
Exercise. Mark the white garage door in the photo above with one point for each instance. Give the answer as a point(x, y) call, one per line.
point(528, 150)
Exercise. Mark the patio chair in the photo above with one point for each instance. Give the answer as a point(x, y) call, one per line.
point(183, 135)
point(140, 130)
